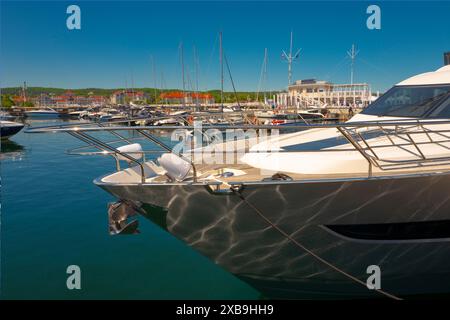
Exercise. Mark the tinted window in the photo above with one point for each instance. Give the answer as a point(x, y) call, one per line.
point(408, 101)
point(443, 110)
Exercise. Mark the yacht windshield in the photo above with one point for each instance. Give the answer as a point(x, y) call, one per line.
point(410, 101)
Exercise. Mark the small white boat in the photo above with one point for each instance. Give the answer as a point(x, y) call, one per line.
point(109, 114)
point(9, 128)
point(283, 118)
point(174, 118)
point(310, 114)
point(6, 116)
point(42, 113)
point(76, 114)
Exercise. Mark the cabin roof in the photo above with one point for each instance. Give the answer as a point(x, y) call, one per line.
point(440, 76)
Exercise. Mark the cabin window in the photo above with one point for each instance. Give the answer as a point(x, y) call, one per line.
point(408, 101)
point(443, 110)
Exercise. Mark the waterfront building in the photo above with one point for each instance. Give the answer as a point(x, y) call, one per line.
point(125, 96)
point(68, 99)
point(179, 97)
point(318, 93)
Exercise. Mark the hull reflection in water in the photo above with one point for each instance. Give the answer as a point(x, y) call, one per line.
point(229, 232)
point(11, 150)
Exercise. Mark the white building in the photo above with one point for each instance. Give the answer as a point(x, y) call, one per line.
point(318, 93)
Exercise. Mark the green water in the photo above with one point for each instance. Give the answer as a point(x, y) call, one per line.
point(53, 216)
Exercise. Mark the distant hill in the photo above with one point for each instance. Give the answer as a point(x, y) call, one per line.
point(35, 91)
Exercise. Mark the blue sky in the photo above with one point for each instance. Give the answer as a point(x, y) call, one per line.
point(117, 39)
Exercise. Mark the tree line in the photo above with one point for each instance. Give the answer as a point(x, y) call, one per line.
point(152, 93)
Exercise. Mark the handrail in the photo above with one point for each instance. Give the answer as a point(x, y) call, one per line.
point(399, 133)
point(100, 144)
point(163, 145)
point(358, 148)
point(389, 123)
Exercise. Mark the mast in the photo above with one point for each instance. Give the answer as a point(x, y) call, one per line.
point(352, 53)
point(153, 76)
point(290, 58)
point(182, 72)
point(262, 77)
point(290, 63)
point(196, 77)
point(24, 92)
point(221, 69)
point(265, 75)
point(132, 86)
point(163, 85)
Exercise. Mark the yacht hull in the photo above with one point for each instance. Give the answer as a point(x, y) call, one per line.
point(42, 115)
point(229, 231)
point(9, 129)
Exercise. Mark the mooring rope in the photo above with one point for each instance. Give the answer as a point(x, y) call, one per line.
point(329, 264)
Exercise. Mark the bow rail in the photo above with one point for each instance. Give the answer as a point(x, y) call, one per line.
point(412, 138)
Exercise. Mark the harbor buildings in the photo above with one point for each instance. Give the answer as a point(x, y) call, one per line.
point(318, 93)
point(126, 96)
point(179, 97)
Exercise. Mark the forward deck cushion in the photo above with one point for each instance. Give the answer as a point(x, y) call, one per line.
point(176, 168)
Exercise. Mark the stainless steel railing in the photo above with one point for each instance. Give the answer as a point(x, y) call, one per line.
point(398, 134)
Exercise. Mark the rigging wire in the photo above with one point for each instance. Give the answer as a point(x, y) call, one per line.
point(231, 79)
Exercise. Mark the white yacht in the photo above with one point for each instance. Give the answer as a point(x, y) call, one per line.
point(280, 118)
point(42, 113)
point(173, 118)
point(6, 116)
point(306, 214)
point(9, 128)
point(77, 114)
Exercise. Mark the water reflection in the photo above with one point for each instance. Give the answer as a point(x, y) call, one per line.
point(11, 150)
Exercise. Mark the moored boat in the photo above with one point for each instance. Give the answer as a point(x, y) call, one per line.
point(9, 128)
point(47, 113)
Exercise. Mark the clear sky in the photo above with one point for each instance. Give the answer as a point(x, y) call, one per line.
point(117, 39)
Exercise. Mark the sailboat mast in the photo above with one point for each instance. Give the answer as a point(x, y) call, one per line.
point(163, 86)
point(265, 74)
point(132, 85)
point(221, 69)
point(24, 92)
point(290, 61)
point(154, 77)
point(196, 76)
point(182, 72)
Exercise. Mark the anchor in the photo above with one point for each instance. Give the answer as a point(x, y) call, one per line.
point(119, 213)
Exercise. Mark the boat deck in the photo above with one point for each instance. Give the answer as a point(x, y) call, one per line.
point(244, 174)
